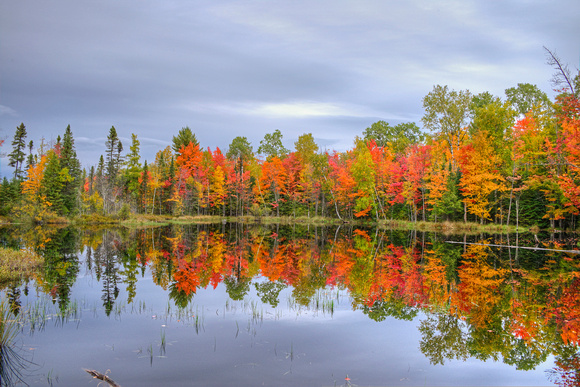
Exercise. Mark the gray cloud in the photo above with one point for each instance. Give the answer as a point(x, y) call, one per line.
point(228, 68)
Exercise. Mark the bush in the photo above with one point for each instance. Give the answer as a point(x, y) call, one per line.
point(124, 212)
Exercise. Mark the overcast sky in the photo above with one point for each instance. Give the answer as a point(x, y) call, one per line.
point(246, 68)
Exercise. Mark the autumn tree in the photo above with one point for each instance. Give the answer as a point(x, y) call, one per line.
point(480, 175)
point(306, 147)
point(35, 205)
point(362, 169)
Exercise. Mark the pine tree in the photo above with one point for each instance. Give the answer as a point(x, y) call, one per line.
point(16, 158)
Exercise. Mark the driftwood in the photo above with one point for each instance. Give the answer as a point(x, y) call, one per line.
point(516, 247)
point(104, 378)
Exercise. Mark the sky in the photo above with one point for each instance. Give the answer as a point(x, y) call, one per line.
point(246, 68)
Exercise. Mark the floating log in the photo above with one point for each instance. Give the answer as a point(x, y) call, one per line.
point(103, 377)
point(516, 247)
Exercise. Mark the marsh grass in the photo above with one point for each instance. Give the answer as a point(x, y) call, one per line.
point(18, 265)
point(12, 363)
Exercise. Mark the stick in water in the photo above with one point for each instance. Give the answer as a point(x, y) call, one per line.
point(104, 378)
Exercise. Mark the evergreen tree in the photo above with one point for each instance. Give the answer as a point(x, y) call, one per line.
point(111, 154)
point(53, 182)
point(99, 180)
point(16, 157)
point(133, 171)
point(30, 159)
point(143, 187)
point(8, 195)
point(183, 138)
point(70, 162)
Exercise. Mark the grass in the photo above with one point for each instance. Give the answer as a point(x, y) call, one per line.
point(11, 362)
point(18, 264)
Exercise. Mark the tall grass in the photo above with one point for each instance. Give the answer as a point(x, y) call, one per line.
point(11, 362)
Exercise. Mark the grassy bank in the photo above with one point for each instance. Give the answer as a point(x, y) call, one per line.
point(17, 264)
point(147, 220)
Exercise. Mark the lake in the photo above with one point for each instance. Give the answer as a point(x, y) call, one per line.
point(272, 305)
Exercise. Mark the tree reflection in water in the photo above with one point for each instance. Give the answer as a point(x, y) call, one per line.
point(475, 301)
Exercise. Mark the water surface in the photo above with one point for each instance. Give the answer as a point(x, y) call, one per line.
point(214, 305)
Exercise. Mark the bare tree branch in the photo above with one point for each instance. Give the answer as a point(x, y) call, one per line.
point(562, 76)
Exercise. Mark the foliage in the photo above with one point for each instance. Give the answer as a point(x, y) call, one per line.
point(271, 145)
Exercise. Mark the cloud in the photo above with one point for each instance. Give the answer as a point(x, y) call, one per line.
point(295, 110)
point(228, 68)
point(5, 110)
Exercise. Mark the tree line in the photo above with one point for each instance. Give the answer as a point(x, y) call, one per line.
point(483, 158)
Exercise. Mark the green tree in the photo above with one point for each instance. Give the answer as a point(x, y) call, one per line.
point(143, 188)
point(16, 157)
point(240, 148)
point(306, 147)
point(493, 116)
point(133, 170)
point(113, 147)
point(70, 163)
point(526, 97)
point(53, 182)
point(183, 138)
point(397, 138)
point(447, 113)
point(363, 173)
point(30, 159)
point(271, 145)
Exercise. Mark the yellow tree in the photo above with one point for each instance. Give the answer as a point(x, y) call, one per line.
point(362, 171)
point(34, 204)
point(480, 175)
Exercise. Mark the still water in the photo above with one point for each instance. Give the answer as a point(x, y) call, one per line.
point(231, 304)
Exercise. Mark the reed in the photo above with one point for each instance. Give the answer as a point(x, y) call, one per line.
point(11, 362)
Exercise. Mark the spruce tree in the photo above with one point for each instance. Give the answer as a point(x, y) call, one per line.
point(69, 160)
point(30, 159)
point(111, 150)
point(143, 187)
point(16, 157)
point(53, 181)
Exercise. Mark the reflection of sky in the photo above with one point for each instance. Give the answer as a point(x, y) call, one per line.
point(285, 347)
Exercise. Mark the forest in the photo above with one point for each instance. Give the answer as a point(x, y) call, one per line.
point(511, 160)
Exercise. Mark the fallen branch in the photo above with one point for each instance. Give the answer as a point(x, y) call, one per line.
point(516, 247)
point(104, 378)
